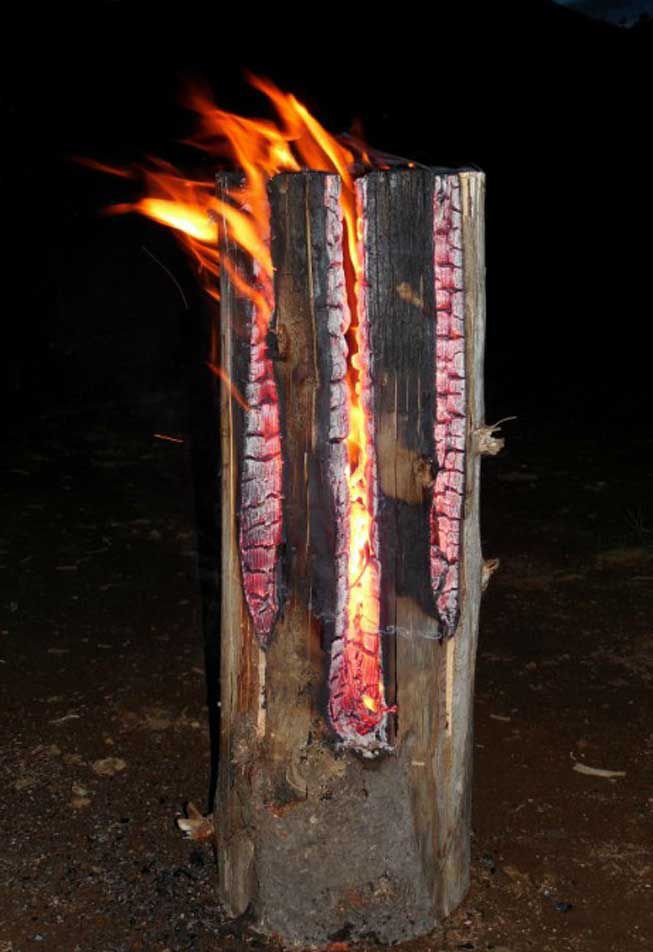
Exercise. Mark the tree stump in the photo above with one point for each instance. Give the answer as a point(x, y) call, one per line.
point(343, 806)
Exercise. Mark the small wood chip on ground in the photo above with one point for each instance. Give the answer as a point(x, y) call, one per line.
point(66, 717)
point(598, 771)
point(109, 766)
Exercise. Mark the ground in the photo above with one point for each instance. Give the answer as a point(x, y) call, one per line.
point(104, 735)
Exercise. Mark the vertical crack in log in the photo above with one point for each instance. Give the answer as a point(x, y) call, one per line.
point(449, 490)
point(357, 708)
point(261, 527)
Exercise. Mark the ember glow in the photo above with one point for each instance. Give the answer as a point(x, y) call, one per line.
point(448, 496)
point(262, 149)
point(357, 699)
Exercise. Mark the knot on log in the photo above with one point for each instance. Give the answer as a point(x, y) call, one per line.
point(279, 342)
point(487, 571)
point(407, 294)
point(424, 472)
point(486, 443)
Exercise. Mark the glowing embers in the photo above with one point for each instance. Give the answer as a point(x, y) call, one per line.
point(261, 519)
point(448, 496)
point(357, 708)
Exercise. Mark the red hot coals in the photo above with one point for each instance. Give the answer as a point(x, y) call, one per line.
point(357, 709)
point(448, 494)
point(261, 491)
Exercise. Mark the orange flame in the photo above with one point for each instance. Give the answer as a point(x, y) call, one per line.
point(226, 379)
point(261, 149)
point(186, 206)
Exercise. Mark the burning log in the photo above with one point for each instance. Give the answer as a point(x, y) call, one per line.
point(351, 346)
point(351, 553)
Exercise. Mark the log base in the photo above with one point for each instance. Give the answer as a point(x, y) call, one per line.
point(351, 850)
point(342, 863)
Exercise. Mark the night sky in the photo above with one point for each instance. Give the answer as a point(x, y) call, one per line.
point(550, 103)
point(623, 12)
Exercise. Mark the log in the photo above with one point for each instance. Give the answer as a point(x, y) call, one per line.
point(343, 807)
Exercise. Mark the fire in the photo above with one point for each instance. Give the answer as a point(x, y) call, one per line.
point(186, 206)
point(261, 149)
point(363, 693)
point(186, 219)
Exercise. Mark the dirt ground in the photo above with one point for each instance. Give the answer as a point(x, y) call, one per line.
point(104, 732)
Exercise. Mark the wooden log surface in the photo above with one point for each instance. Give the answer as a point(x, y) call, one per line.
point(241, 667)
point(454, 755)
point(399, 230)
point(317, 842)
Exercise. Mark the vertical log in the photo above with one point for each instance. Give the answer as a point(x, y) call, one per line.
point(293, 670)
point(240, 657)
point(316, 841)
point(433, 679)
point(269, 697)
point(397, 211)
point(455, 747)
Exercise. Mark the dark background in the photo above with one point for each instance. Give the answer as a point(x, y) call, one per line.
point(551, 104)
point(106, 531)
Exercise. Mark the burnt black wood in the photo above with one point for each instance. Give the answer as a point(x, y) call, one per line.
point(299, 340)
point(399, 266)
